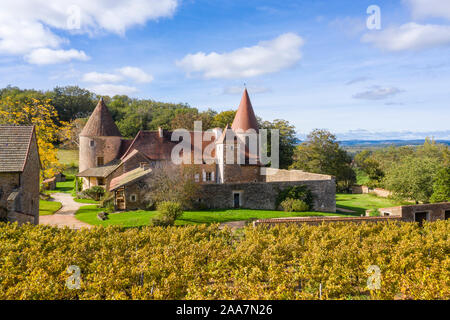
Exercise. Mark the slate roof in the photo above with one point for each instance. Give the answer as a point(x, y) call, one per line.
point(14, 147)
point(100, 123)
point(128, 177)
point(245, 116)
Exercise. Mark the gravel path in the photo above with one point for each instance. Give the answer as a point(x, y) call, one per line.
point(65, 217)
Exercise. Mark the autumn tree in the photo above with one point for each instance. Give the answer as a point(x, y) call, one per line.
point(44, 117)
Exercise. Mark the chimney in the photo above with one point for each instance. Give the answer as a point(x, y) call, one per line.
point(161, 132)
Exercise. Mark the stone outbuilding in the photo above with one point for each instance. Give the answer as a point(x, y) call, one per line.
point(19, 174)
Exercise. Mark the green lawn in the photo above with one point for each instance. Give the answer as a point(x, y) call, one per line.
point(139, 218)
point(64, 187)
point(48, 207)
point(68, 157)
point(362, 202)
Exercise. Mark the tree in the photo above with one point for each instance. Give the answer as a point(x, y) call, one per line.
point(174, 184)
point(288, 140)
point(441, 186)
point(48, 128)
point(321, 153)
point(412, 178)
point(224, 118)
point(371, 166)
point(72, 102)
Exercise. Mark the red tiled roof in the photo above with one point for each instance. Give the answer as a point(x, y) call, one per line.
point(100, 123)
point(245, 118)
point(155, 147)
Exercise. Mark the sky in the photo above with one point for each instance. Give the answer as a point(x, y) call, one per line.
point(361, 69)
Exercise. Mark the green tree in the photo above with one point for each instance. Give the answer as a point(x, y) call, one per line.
point(288, 140)
point(441, 186)
point(72, 102)
point(321, 153)
point(412, 178)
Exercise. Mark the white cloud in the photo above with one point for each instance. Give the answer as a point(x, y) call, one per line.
point(429, 8)
point(410, 36)
point(378, 93)
point(96, 77)
point(49, 56)
point(266, 57)
point(113, 89)
point(126, 73)
point(27, 25)
point(136, 74)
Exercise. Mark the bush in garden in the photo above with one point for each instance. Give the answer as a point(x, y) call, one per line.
point(294, 205)
point(169, 211)
point(95, 193)
point(298, 193)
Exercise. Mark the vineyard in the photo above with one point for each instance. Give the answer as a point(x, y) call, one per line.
point(330, 261)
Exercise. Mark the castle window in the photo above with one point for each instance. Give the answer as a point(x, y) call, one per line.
point(92, 143)
point(133, 198)
point(100, 161)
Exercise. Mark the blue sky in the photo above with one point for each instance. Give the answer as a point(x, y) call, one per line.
point(314, 63)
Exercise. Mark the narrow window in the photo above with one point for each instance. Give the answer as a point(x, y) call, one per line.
point(91, 143)
point(133, 198)
point(208, 176)
point(100, 161)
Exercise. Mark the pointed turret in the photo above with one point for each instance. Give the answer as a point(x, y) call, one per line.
point(100, 123)
point(245, 116)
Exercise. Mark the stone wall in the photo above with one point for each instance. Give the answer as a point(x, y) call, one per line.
point(279, 175)
point(435, 211)
point(106, 147)
point(263, 195)
point(8, 183)
point(320, 220)
point(30, 183)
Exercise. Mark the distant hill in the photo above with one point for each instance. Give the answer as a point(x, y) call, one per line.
point(385, 143)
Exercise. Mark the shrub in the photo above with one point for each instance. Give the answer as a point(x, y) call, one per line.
point(297, 193)
point(294, 205)
point(169, 211)
point(374, 213)
point(94, 193)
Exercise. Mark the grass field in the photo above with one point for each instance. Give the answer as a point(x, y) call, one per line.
point(48, 207)
point(139, 218)
point(68, 157)
point(362, 202)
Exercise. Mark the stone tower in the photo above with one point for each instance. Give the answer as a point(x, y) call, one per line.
point(100, 139)
point(244, 122)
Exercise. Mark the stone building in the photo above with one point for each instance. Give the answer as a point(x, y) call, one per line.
point(19, 174)
point(231, 176)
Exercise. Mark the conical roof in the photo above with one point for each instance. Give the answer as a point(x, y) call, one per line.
point(100, 123)
point(245, 116)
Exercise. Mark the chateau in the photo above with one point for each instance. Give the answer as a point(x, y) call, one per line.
point(125, 167)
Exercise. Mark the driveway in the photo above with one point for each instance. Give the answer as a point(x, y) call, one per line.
point(65, 217)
